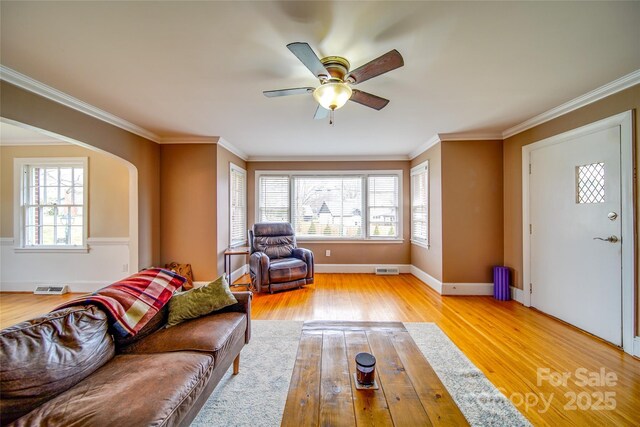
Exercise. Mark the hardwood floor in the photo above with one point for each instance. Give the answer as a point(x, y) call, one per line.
point(517, 348)
point(16, 307)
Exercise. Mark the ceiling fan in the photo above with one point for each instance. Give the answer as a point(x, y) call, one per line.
point(336, 79)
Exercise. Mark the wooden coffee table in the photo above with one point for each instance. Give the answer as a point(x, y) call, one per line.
point(323, 392)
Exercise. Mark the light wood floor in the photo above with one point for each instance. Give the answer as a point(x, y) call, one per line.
point(508, 342)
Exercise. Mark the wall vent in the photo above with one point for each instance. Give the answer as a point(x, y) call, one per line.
point(51, 290)
point(387, 271)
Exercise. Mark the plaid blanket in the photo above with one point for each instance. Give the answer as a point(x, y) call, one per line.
point(133, 301)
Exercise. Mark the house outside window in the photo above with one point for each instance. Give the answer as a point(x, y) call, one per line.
point(51, 208)
point(420, 205)
point(323, 205)
point(238, 205)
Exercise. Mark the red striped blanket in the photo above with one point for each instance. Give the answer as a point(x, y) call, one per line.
point(133, 301)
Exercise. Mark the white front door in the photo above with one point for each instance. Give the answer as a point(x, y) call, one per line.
point(575, 234)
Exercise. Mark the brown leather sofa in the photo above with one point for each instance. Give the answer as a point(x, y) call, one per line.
point(276, 263)
point(65, 368)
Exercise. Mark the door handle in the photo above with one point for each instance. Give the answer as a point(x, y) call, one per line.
point(610, 239)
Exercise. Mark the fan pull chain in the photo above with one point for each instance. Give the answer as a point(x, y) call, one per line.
point(331, 117)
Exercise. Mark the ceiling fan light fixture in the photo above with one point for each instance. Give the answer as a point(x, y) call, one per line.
point(332, 94)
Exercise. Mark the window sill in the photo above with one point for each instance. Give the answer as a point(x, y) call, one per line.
point(52, 249)
point(352, 241)
point(420, 243)
point(236, 244)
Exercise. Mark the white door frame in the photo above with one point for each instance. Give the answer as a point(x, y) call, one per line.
point(627, 216)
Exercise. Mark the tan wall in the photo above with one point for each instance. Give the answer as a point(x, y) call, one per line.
point(224, 160)
point(345, 253)
point(188, 209)
point(108, 188)
point(471, 210)
point(26, 107)
point(623, 101)
point(430, 260)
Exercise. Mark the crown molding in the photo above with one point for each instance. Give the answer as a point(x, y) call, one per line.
point(27, 83)
point(205, 140)
point(424, 147)
point(189, 140)
point(328, 158)
point(461, 136)
point(232, 148)
point(609, 89)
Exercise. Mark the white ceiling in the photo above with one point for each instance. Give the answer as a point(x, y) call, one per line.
point(17, 135)
point(199, 68)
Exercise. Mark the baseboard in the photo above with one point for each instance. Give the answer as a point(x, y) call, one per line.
point(517, 294)
point(429, 280)
point(76, 287)
point(467, 289)
point(357, 268)
point(636, 346)
point(235, 275)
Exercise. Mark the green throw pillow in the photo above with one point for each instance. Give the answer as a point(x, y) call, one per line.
point(198, 302)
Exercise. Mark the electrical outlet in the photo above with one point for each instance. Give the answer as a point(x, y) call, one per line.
point(125, 268)
point(327, 252)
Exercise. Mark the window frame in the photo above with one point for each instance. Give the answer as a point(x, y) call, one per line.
point(364, 175)
point(233, 168)
point(21, 166)
point(398, 207)
point(421, 169)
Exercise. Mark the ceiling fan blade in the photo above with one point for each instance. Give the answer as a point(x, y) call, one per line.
point(368, 99)
point(321, 113)
point(383, 64)
point(308, 57)
point(287, 92)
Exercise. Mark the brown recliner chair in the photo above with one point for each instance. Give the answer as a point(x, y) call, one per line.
point(276, 263)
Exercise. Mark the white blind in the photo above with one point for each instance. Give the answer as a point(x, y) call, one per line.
point(238, 201)
point(420, 203)
point(273, 198)
point(383, 206)
point(327, 206)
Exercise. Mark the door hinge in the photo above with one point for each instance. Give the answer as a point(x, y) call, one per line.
point(530, 288)
point(529, 168)
point(530, 229)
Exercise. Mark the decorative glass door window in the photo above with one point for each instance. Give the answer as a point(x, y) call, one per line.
point(590, 183)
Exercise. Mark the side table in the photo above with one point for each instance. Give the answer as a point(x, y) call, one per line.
point(228, 253)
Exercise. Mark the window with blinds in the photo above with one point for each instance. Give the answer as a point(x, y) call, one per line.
point(327, 206)
point(383, 206)
point(273, 198)
point(238, 205)
point(352, 205)
point(420, 204)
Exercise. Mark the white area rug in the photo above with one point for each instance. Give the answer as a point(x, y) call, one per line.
point(257, 395)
